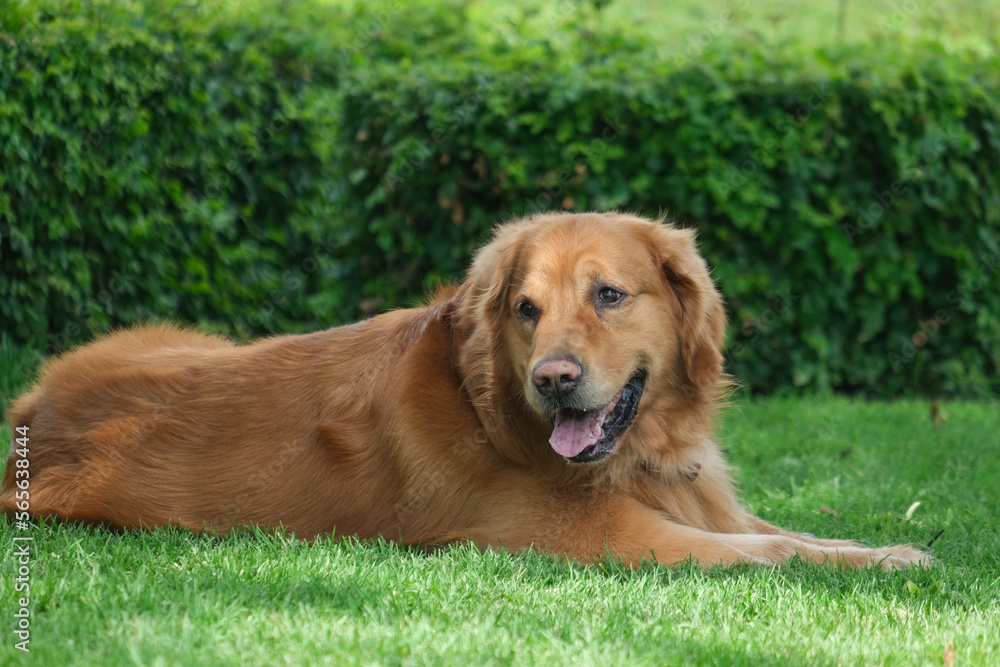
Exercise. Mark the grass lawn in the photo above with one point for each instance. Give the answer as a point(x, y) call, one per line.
point(828, 466)
point(879, 472)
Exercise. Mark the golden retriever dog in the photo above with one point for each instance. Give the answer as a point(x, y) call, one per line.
point(560, 399)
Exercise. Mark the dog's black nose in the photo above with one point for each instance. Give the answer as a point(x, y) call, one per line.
point(556, 377)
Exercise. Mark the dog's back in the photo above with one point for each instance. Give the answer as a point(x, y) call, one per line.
point(161, 425)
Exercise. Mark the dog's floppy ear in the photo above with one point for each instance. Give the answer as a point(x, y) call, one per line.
point(477, 316)
point(478, 307)
point(482, 296)
point(703, 321)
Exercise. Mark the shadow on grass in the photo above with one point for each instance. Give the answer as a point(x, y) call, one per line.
point(289, 587)
point(171, 571)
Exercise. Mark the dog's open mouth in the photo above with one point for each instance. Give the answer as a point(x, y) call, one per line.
point(588, 436)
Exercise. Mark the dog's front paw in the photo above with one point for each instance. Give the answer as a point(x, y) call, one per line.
point(901, 557)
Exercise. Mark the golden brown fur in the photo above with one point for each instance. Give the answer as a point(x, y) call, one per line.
point(429, 425)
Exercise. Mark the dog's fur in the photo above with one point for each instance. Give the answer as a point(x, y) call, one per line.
point(429, 425)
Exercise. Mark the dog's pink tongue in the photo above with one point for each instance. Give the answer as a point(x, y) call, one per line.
point(574, 432)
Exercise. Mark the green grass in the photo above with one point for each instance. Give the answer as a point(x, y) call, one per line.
point(833, 467)
point(829, 466)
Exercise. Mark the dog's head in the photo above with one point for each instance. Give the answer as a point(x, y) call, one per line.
point(591, 318)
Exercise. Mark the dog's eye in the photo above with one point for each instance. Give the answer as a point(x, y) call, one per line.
point(527, 310)
point(609, 296)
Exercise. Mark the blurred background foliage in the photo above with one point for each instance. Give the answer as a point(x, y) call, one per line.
point(261, 167)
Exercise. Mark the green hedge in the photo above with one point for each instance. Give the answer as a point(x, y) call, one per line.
point(159, 163)
point(262, 170)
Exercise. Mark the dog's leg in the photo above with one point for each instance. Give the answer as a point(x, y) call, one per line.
point(903, 552)
point(765, 528)
point(632, 532)
point(770, 545)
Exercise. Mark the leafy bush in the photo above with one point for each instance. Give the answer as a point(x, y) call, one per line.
point(157, 164)
point(275, 169)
